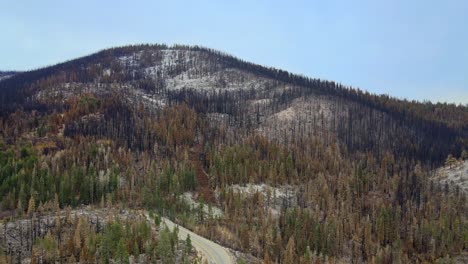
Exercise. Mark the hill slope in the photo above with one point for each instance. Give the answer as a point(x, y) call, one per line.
point(298, 170)
point(248, 96)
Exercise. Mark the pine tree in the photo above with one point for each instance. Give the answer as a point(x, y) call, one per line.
point(102, 204)
point(121, 255)
point(72, 260)
point(307, 258)
point(56, 203)
point(31, 206)
point(266, 258)
point(136, 250)
point(164, 248)
point(77, 236)
point(290, 253)
point(188, 244)
point(19, 207)
point(21, 199)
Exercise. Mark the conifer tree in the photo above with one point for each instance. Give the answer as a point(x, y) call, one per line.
point(31, 206)
point(290, 252)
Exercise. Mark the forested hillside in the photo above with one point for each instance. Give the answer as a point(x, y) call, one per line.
point(6, 74)
point(301, 170)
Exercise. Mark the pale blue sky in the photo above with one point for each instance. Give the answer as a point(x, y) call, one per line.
point(409, 49)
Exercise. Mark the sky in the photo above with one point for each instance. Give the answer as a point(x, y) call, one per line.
point(415, 49)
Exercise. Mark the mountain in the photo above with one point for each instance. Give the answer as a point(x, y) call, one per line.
point(244, 95)
point(275, 165)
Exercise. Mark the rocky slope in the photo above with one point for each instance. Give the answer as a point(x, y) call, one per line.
point(453, 176)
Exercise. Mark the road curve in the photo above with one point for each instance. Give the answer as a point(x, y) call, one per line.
point(211, 251)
